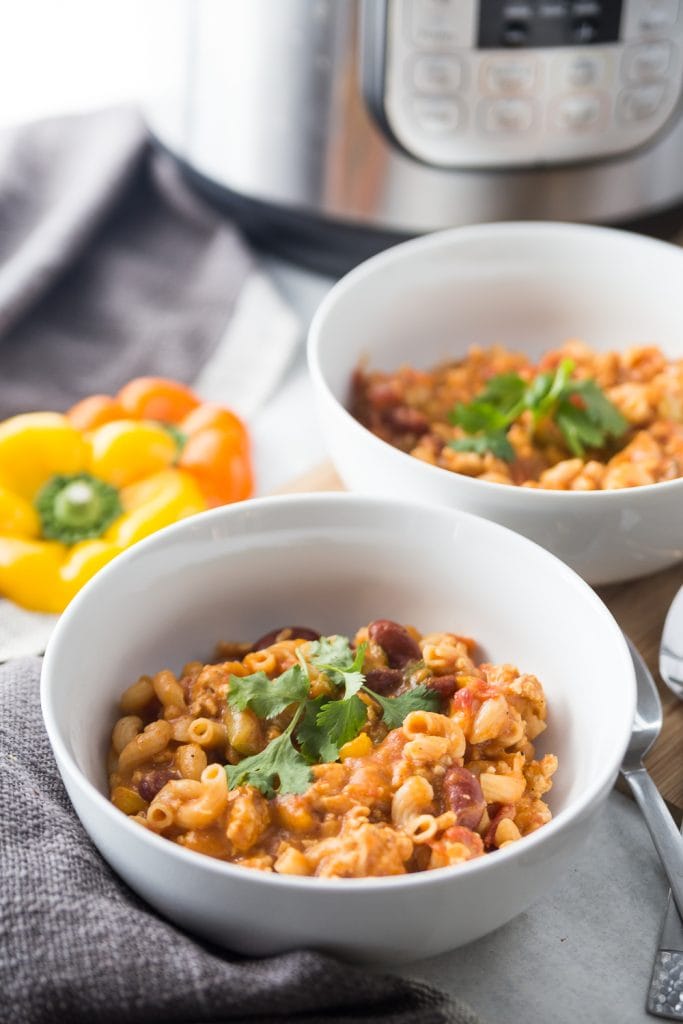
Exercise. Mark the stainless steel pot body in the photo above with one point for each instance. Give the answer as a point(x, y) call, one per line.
point(268, 100)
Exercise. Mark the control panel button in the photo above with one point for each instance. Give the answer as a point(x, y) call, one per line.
point(649, 18)
point(658, 15)
point(508, 115)
point(440, 24)
point(509, 75)
point(651, 60)
point(639, 103)
point(583, 71)
point(437, 76)
point(579, 112)
point(437, 116)
point(586, 9)
point(517, 11)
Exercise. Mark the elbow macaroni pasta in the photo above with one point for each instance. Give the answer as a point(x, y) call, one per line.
point(410, 409)
point(444, 787)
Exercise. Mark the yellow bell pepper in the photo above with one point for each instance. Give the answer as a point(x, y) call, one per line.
point(358, 747)
point(36, 446)
point(72, 499)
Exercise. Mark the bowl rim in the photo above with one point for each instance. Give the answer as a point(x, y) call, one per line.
point(439, 240)
point(49, 687)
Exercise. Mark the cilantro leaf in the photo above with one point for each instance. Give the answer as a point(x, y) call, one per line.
point(279, 765)
point(477, 416)
point(495, 442)
point(506, 392)
point(342, 719)
point(350, 676)
point(267, 697)
point(314, 743)
point(577, 429)
point(538, 391)
point(395, 709)
point(583, 423)
point(599, 408)
point(488, 417)
point(331, 650)
point(590, 421)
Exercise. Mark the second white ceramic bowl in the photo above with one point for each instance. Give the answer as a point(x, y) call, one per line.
point(528, 287)
point(336, 562)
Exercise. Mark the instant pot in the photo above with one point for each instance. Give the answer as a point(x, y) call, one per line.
point(332, 128)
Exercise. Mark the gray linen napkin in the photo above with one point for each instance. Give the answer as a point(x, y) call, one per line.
point(109, 267)
point(77, 946)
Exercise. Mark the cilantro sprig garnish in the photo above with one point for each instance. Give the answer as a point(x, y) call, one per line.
point(319, 726)
point(580, 409)
point(342, 720)
point(279, 767)
point(396, 709)
point(333, 660)
point(268, 697)
point(316, 745)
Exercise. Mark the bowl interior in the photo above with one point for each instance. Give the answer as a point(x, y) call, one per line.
point(527, 287)
point(335, 563)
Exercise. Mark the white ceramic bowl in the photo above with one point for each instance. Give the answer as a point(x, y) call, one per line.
point(336, 562)
point(529, 287)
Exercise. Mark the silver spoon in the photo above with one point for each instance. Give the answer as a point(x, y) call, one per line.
point(671, 648)
point(665, 998)
point(646, 728)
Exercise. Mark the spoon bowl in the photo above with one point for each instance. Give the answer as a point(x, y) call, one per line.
point(671, 649)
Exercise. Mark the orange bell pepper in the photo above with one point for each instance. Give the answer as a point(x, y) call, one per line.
point(155, 398)
point(213, 443)
point(217, 440)
point(95, 411)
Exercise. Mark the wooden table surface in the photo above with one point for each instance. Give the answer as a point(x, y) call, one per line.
point(639, 607)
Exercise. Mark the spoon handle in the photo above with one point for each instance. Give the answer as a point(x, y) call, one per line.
point(665, 998)
point(665, 835)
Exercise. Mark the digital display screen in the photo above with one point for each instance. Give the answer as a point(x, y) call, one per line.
point(533, 23)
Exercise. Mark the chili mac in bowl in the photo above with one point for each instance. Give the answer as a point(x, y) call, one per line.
point(386, 754)
point(398, 594)
point(543, 355)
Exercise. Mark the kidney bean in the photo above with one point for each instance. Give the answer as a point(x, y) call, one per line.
point(496, 813)
point(407, 420)
point(419, 860)
point(292, 633)
point(445, 686)
point(463, 793)
point(384, 680)
point(395, 641)
point(380, 393)
point(150, 784)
